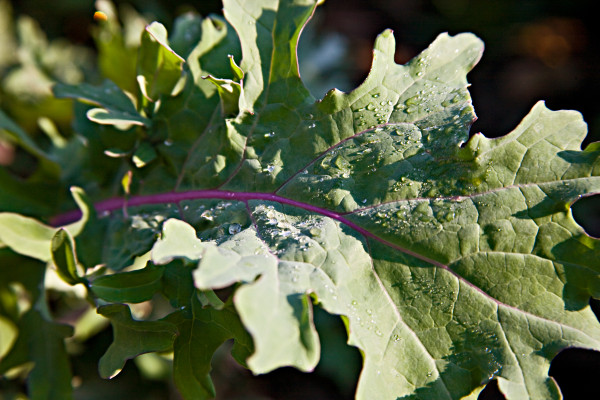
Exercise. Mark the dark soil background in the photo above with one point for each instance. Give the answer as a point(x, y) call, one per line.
point(535, 50)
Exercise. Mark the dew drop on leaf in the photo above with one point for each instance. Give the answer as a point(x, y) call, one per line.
point(234, 228)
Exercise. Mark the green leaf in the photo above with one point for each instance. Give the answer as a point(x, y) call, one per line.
point(129, 287)
point(200, 336)
point(132, 338)
point(117, 107)
point(26, 236)
point(31, 238)
point(20, 137)
point(144, 155)
point(159, 67)
point(378, 204)
point(42, 342)
point(118, 45)
point(178, 240)
point(8, 335)
point(229, 92)
point(121, 119)
point(178, 284)
point(64, 257)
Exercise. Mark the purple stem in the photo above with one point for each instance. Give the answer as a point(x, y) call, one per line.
point(118, 203)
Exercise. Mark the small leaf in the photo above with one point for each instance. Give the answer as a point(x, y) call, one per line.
point(129, 287)
point(238, 74)
point(229, 92)
point(8, 335)
point(126, 182)
point(144, 155)
point(178, 240)
point(63, 255)
point(22, 138)
point(108, 96)
point(116, 108)
point(121, 119)
point(86, 209)
point(159, 67)
point(132, 338)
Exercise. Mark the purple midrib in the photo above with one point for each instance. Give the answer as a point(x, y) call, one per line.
point(176, 197)
point(118, 203)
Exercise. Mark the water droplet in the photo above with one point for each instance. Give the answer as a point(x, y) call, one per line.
point(312, 125)
point(168, 142)
point(269, 134)
point(234, 228)
point(376, 95)
point(412, 100)
point(315, 231)
point(207, 215)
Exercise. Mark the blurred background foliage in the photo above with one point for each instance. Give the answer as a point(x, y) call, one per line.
point(535, 49)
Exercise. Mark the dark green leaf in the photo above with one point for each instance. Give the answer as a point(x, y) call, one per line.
point(132, 338)
point(178, 284)
point(42, 342)
point(200, 336)
point(116, 105)
point(64, 257)
point(129, 287)
point(144, 154)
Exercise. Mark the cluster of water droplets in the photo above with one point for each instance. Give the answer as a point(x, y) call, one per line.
point(478, 350)
point(365, 318)
point(215, 220)
point(286, 235)
point(417, 219)
point(375, 112)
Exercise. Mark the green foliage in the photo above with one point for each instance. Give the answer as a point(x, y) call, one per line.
point(452, 260)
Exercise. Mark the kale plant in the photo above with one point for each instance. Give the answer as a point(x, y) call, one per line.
point(221, 185)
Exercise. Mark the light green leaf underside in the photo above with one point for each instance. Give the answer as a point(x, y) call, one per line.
point(29, 237)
